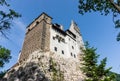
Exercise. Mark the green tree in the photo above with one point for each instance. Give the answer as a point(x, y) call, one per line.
point(4, 56)
point(6, 18)
point(105, 7)
point(91, 68)
point(2, 73)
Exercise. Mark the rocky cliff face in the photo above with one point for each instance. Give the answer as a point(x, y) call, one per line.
point(45, 66)
point(30, 72)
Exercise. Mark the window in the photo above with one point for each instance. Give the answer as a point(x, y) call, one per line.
point(53, 38)
point(71, 54)
point(28, 29)
point(37, 23)
point(62, 52)
point(72, 47)
point(59, 40)
point(69, 39)
point(55, 48)
point(74, 56)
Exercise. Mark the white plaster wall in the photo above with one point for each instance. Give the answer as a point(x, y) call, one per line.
point(79, 39)
point(74, 50)
point(67, 46)
point(60, 45)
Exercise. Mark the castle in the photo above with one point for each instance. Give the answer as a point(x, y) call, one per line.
point(43, 35)
point(49, 50)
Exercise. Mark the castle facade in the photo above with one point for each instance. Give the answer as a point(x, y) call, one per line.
point(49, 53)
point(43, 35)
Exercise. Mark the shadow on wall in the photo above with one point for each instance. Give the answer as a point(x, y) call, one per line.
point(30, 72)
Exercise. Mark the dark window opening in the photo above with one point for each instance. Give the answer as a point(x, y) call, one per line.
point(53, 38)
point(71, 54)
point(69, 39)
point(55, 48)
point(62, 52)
point(59, 40)
point(37, 22)
point(72, 47)
point(74, 56)
point(28, 29)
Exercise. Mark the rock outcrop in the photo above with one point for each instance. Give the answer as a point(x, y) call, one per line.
point(45, 66)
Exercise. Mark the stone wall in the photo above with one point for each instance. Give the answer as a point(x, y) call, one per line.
point(36, 38)
point(70, 69)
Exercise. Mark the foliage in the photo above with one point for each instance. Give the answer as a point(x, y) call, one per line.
point(2, 73)
point(4, 56)
point(105, 7)
point(91, 68)
point(117, 76)
point(55, 69)
point(6, 17)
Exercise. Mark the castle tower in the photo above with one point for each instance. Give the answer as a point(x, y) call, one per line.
point(76, 30)
point(37, 36)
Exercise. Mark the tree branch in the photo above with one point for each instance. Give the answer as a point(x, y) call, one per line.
point(115, 5)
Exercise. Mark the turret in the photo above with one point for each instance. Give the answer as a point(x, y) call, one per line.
point(74, 28)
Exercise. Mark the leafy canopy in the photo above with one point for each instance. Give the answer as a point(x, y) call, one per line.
point(4, 56)
point(104, 7)
point(91, 68)
point(6, 17)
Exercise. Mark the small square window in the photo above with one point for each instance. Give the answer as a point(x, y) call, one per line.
point(62, 52)
point(55, 48)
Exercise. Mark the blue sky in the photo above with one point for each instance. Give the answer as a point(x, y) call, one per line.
point(98, 30)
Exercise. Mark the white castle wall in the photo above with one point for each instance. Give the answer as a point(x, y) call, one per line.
point(70, 46)
point(61, 46)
